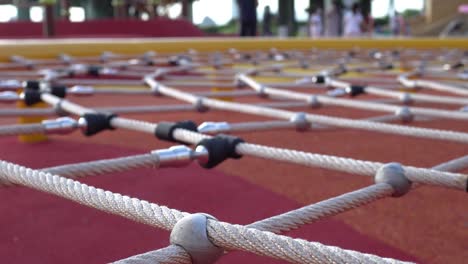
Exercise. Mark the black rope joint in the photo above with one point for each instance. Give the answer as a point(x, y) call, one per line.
point(32, 96)
point(94, 70)
point(32, 85)
point(97, 122)
point(319, 79)
point(355, 90)
point(165, 130)
point(220, 148)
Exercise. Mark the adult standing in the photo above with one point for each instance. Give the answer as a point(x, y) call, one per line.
point(266, 24)
point(315, 22)
point(353, 22)
point(334, 20)
point(248, 17)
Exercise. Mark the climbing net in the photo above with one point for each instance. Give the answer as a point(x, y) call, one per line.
point(319, 81)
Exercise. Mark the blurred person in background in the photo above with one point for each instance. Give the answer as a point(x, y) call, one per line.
point(267, 19)
point(353, 22)
point(334, 20)
point(248, 17)
point(315, 22)
point(398, 24)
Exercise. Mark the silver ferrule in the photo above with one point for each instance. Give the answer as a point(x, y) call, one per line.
point(406, 98)
point(176, 156)
point(62, 125)
point(201, 154)
point(9, 97)
point(10, 84)
point(314, 101)
point(79, 68)
point(109, 71)
point(337, 92)
point(106, 56)
point(301, 122)
point(82, 124)
point(199, 104)
point(463, 75)
point(65, 58)
point(405, 114)
point(81, 90)
point(213, 127)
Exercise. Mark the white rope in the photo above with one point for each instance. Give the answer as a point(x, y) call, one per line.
point(114, 203)
point(168, 255)
point(326, 100)
point(311, 213)
point(27, 112)
point(417, 97)
point(366, 168)
point(98, 167)
point(21, 129)
point(326, 120)
point(231, 237)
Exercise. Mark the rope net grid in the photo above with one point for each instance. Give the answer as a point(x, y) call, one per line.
point(308, 101)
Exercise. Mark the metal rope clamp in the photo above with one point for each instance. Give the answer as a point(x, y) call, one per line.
point(394, 174)
point(190, 233)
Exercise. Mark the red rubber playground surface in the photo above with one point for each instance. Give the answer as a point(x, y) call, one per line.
point(428, 225)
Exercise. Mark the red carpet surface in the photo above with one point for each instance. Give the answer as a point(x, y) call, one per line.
point(42, 228)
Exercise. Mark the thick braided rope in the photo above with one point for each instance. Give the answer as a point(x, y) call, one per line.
point(27, 112)
point(326, 120)
point(169, 255)
point(441, 87)
point(367, 168)
point(114, 203)
point(418, 97)
point(311, 213)
point(232, 237)
point(356, 104)
point(236, 237)
point(13, 130)
point(98, 167)
point(347, 165)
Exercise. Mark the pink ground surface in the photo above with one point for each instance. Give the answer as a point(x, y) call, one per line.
point(429, 223)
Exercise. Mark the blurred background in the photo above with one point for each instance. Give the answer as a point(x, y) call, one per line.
point(184, 18)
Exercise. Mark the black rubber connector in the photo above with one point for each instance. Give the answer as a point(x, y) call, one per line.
point(94, 70)
point(165, 130)
point(177, 60)
point(31, 97)
point(319, 79)
point(457, 65)
point(32, 85)
point(59, 90)
point(97, 122)
point(220, 148)
point(355, 90)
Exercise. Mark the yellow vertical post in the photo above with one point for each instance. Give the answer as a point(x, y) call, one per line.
point(221, 89)
point(31, 138)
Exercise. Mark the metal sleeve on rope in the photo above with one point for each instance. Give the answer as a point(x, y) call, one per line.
point(165, 130)
point(32, 84)
point(220, 148)
point(32, 96)
point(94, 70)
point(355, 90)
point(93, 123)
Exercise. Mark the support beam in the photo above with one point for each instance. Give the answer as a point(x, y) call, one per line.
point(23, 9)
point(187, 11)
point(287, 18)
point(98, 9)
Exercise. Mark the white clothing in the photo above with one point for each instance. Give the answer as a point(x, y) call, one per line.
point(315, 29)
point(352, 24)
